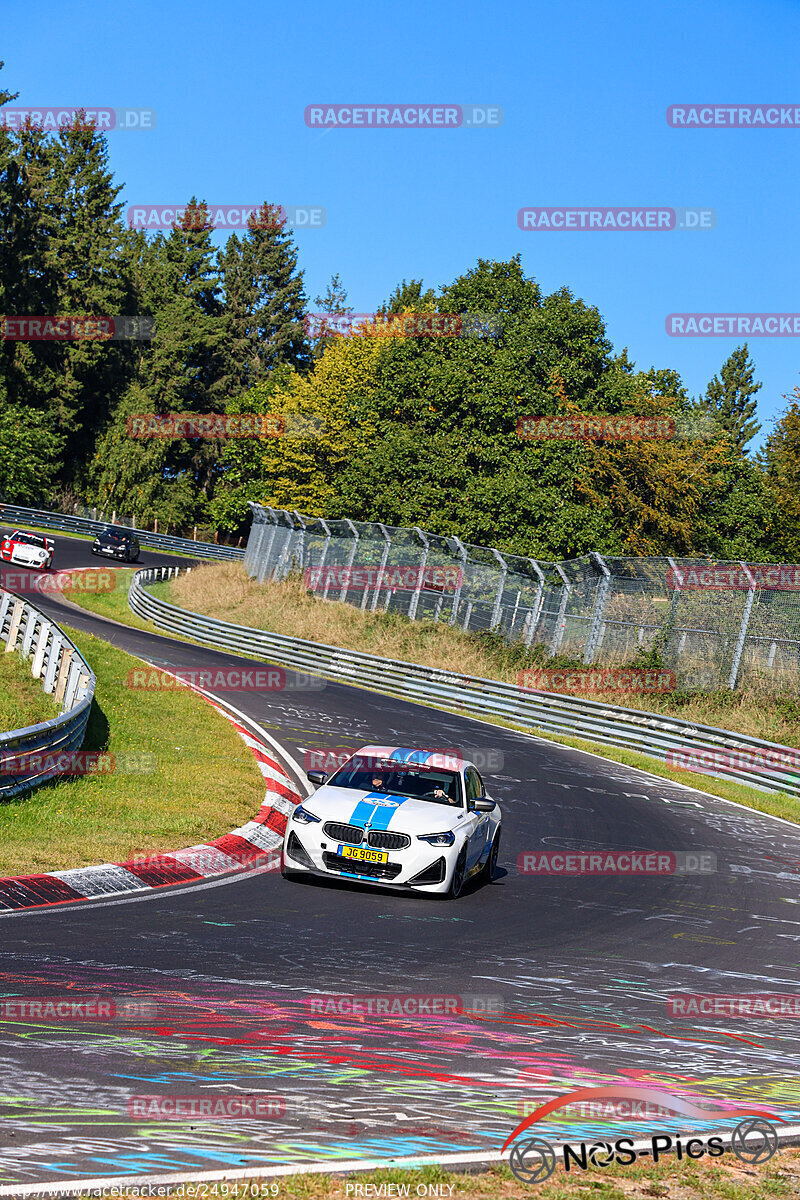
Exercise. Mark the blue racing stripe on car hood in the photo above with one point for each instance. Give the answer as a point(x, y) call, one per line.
point(383, 814)
point(376, 809)
point(362, 812)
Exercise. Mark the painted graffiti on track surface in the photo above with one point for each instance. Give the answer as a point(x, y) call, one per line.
point(303, 1085)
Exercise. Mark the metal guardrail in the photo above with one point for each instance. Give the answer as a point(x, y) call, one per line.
point(631, 729)
point(65, 675)
point(13, 514)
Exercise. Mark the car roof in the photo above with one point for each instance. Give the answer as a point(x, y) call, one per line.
point(445, 759)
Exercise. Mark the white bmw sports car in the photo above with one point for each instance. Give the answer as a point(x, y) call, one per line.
point(30, 549)
point(397, 818)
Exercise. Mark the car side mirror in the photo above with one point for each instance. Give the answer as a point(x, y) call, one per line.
point(317, 777)
point(483, 804)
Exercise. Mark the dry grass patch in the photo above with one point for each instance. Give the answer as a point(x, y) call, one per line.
point(223, 590)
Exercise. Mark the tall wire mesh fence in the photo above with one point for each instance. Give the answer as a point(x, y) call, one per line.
point(716, 624)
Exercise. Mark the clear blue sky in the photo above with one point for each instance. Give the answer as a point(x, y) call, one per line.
point(584, 88)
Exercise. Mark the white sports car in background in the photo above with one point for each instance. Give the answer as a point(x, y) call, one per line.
point(397, 818)
point(29, 549)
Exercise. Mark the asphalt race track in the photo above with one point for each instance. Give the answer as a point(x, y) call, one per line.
point(582, 966)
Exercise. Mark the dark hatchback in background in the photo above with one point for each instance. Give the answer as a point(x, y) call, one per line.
point(117, 543)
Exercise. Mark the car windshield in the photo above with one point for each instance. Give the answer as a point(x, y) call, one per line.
point(115, 534)
point(30, 539)
point(393, 779)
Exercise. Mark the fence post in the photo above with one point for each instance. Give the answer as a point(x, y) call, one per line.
point(597, 618)
point(535, 612)
point(423, 562)
point(387, 545)
point(350, 558)
point(558, 632)
point(462, 554)
point(498, 600)
point(266, 554)
point(284, 563)
point(297, 517)
point(748, 608)
point(324, 555)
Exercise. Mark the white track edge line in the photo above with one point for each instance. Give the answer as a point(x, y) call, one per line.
point(325, 1167)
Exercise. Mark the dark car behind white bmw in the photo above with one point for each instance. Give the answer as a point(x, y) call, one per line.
point(117, 543)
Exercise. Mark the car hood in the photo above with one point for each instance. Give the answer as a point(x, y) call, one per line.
point(354, 807)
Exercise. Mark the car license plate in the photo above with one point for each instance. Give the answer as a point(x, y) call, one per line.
point(363, 854)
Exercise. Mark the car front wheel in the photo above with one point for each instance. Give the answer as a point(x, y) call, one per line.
point(490, 870)
point(459, 874)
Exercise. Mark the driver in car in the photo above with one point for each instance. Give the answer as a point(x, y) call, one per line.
point(440, 794)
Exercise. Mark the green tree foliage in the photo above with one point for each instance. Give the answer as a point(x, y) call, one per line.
point(82, 269)
point(409, 297)
point(729, 398)
point(327, 422)
point(781, 459)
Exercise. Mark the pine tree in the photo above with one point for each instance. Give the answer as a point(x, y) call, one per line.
point(728, 398)
point(180, 371)
point(264, 302)
point(80, 270)
point(335, 298)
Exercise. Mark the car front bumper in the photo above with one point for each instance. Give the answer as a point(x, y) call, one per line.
point(419, 867)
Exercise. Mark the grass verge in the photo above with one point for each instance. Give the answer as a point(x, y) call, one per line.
point(205, 780)
point(725, 1179)
point(22, 701)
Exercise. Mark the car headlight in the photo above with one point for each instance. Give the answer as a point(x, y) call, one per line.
point(437, 839)
point(304, 816)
